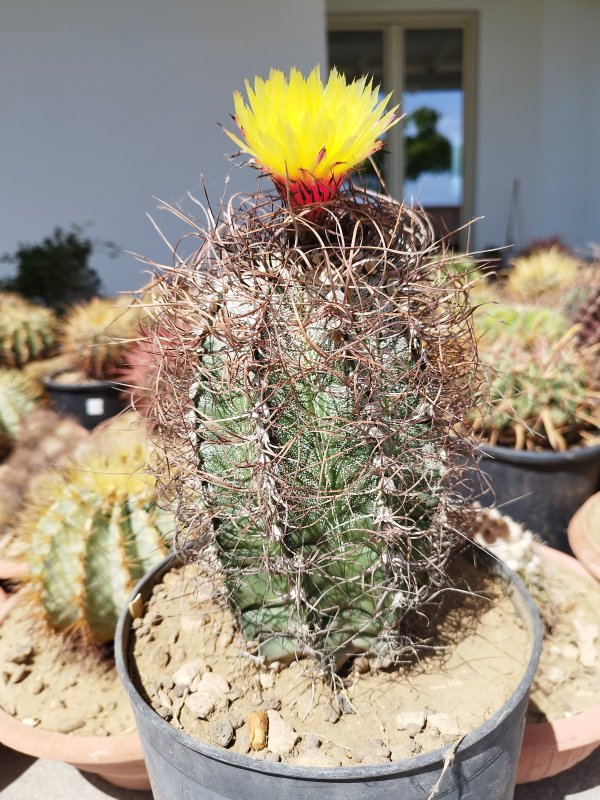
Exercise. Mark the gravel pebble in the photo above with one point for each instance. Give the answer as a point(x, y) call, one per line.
point(282, 737)
point(69, 724)
point(222, 733)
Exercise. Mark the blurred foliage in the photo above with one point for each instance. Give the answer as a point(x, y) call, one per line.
point(56, 271)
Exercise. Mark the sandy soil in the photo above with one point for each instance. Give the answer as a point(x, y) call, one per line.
point(199, 674)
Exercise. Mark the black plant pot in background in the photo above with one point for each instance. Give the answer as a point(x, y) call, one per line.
point(182, 768)
point(542, 490)
point(90, 403)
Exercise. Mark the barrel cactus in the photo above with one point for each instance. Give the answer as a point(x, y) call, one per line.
point(321, 367)
point(19, 396)
point(94, 335)
point(92, 529)
point(27, 331)
point(543, 384)
point(543, 276)
point(44, 441)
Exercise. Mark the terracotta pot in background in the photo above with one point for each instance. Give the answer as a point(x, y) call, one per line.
point(552, 747)
point(584, 535)
point(117, 759)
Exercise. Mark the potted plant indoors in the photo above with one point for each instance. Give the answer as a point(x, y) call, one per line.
point(93, 337)
point(310, 456)
point(89, 530)
point(539, 424)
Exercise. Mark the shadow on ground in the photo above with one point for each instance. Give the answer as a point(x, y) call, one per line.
point(582, 782)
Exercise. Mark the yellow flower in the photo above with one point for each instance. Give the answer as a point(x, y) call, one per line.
point(308, 135)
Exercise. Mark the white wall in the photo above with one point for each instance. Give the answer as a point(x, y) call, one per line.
point(568, 161)
point(105, 104)
point(538, 112)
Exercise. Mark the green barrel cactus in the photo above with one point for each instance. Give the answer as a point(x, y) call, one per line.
point(19, 396)
point(542, 382)
point(92, 530)
point(290, 442)
point(318, 362)
point(313, 428)
point(94, 336)
point(27, 331)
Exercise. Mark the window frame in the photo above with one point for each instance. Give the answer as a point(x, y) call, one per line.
point(392, 27)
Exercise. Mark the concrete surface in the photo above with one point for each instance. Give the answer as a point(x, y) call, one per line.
point(25, 778)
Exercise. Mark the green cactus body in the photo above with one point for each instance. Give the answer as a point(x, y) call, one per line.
point(285, 437)
point(97, 531)
point(322, 364)
point(18, 397)
point(27, 332)
point(541, 381)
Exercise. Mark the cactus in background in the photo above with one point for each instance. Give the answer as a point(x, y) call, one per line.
point(27, 331)
point(95, 335)
point(18, 397)
point(542, 383)
point(544, 276)
point(140, 374)
point(92, 530)
point(587, 318)
point(44, 441)
point(316, 385)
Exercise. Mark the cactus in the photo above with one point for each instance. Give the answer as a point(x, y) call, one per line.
point(542, 383)
point(18, 397)
point(44, 441)
point(587, 318)
point(544, 276)
point(95, 335)
point(321, 367)
point(140, 376)
point(92, 530)
point(27, 331)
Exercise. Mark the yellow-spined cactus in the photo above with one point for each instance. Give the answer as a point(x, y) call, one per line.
point(18, 397)
point(542, 276)
point(92, 529)
point(542, 382)
point(94, 335)
point(27, 331)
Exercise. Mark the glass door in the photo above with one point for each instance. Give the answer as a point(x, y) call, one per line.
point(425, 63)
point(358, 53)
point(433, 101)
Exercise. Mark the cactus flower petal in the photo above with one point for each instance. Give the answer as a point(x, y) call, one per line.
point(308, 135)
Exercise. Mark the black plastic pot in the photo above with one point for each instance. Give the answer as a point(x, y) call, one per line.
point(90, 403)
point(540, 490)
point(484, 765)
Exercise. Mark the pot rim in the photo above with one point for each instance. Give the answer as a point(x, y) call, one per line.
point(81, 751)
point(526, 608)
point(586, 549)
point(553, 746)
point(93, 385)
point(567, 728)
point(550, 457)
